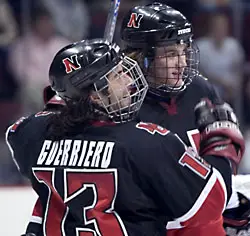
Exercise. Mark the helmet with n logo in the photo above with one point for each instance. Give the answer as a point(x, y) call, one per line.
point(97, 68)
point(79, 65)
point(157, 24)
point(134, 21)
point(71, 63)
point(159, 38)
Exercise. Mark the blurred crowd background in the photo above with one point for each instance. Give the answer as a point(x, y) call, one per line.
point(32, 31)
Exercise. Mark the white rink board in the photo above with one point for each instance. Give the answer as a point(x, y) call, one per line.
point(16, 205)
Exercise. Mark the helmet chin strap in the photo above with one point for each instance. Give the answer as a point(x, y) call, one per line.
point(172, 88)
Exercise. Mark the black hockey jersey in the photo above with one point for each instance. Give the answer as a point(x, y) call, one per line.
point(177, 114)
point(128, 179)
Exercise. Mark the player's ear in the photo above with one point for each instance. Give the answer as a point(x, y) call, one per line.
point(98, 98)
point(94, 97)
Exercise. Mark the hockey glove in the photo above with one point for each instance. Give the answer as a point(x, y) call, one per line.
point(219, 130)
point(237, 220)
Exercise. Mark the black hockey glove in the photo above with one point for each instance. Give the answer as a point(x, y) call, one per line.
point(237, 220)
point(219, 130)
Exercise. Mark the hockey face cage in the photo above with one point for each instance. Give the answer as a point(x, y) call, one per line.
point(169, 70)
point(122, 102)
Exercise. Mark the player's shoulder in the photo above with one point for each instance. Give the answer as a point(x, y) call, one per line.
point(150, 146)
point(149, 136)
point(201, 81)
point(201, 85)
point(29, 125)
point(144, 129)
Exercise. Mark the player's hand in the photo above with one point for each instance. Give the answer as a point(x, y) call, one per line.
point(237, 220)
point(219, 129)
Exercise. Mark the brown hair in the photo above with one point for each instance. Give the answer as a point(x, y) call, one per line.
point(75, 113)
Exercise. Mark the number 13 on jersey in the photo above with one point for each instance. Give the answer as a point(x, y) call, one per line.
point(191, 158)
point(102, 183)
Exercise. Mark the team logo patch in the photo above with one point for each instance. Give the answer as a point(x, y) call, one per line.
point(71, 64)
point(16, 124)
point(152, 128)
point(135, 20)
point(43, 113)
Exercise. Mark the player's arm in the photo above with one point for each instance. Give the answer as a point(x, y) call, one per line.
point(19, 134)
point(183, 185)
point(223, 148)
point(52, 102)
point(221, 119)
point(236, 215)
point(35, 223)
point(187, 188)
point(221, 140)
point(16, 141)
point(17, 138)
point(16, 144)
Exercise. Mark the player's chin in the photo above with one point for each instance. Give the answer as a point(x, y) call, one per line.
point(175, 82)
point(125, 102)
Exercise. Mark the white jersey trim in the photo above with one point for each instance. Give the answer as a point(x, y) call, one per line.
point(176, 224)
point(36, 219)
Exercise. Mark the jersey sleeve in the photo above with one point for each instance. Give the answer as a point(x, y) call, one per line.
point(36, 219)
point(186, 187)
point(15, 139)
point(18, 137)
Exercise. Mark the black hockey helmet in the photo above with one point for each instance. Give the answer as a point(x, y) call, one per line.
point(155, 25)
point(101, 67)
point(79, 65)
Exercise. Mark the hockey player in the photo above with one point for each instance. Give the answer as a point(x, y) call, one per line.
point(160, 39)
point(96, 170)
